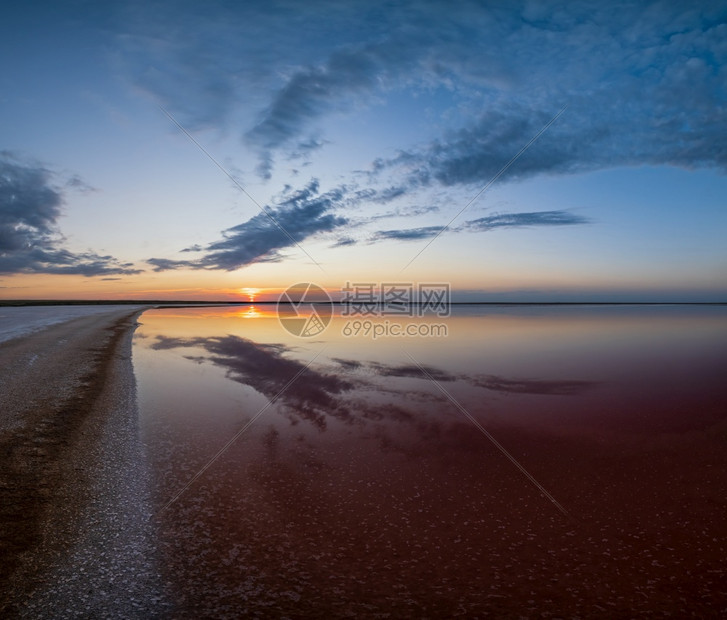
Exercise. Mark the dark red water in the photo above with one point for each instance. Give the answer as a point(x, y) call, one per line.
point(539, 461)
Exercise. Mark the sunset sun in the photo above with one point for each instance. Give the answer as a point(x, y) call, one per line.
point(250, 293)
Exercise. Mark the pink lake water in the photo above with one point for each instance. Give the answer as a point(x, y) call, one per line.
point(535, 461)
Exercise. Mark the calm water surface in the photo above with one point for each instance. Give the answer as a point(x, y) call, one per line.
point(352, 476)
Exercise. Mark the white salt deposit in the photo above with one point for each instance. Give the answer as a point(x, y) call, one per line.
point(18, 321)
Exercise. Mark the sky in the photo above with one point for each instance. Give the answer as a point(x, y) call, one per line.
point(517, 151)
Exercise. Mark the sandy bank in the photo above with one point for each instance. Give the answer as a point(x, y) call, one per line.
point(76, 535)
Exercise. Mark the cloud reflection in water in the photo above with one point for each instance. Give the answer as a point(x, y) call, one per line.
point(317, 395)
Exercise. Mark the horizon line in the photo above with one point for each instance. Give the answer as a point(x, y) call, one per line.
point(78, 302)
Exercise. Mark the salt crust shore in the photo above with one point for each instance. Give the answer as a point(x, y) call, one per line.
point(17, 321)
point(77, 538)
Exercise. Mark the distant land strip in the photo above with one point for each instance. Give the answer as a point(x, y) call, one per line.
point(182, 303)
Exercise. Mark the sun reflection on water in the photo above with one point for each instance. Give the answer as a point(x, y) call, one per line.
point(251, 312)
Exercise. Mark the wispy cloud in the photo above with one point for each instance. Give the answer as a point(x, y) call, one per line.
point(306, 148)
point(310, 93)
point(343, 242)
point(520, 220)
point(495, 383)
point(490, 222)
point(30, 240)
point(76, 183)
point(555, 387)
point(407, 234)
point(407, 370)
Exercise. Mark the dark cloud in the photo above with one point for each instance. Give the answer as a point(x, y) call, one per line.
point(476, 153)
point(30, 205)
point(30, 241)
point(301, 215)
point(645, 83)
point(646, 94)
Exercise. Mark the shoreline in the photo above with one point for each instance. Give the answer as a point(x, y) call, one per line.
point(77, 535)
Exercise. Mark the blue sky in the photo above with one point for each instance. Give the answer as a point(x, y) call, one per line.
point(363, 129)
